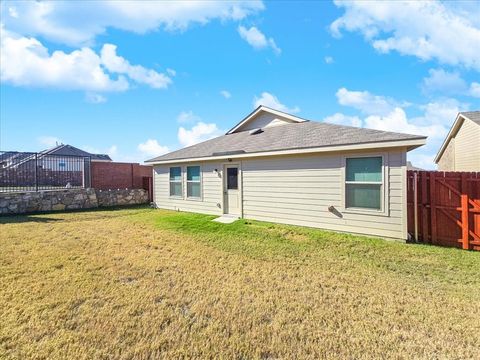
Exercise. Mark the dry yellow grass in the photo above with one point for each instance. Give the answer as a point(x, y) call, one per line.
point(141, 283)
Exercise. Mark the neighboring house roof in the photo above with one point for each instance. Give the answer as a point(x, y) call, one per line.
point(471, 115)
point(298, 137)
point(69, 150)
point(410, 166)
point(12, 158)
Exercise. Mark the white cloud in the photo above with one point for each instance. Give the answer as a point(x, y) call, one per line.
point(76, 23)
point(443, 81)
point(365, 101)
point(226, 94)
point(187, 117)
point(94, 98)
point(425, 29)
point(272, 101)
point(117, 64)
point(257, 39)
point(397, 121)
point(198, 133)
point(328, 59)
point(449, 83)
point(435, 119)
point(341, 119)
point(49, 141)
point(26, 62)
point(474, 89)
point(171, 72)
point(151, 147)
point(13, 12)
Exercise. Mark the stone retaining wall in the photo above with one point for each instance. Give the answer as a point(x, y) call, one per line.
point(68, 199)
point(121, 197)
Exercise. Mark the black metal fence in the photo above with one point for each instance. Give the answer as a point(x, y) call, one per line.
point(28, 171)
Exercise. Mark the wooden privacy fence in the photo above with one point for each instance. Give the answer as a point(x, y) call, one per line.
point(444, 208)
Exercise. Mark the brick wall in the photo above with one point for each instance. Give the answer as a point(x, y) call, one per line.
point(116, 175)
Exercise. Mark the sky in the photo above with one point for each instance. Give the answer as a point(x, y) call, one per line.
point(138, 79)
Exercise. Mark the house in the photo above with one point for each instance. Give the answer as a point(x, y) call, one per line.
point(277, 167)
point(460, 150)
point(69, 150)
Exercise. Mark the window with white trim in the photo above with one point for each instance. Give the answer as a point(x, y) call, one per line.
point(193, 182)
point(176, 181)
point(364, 183)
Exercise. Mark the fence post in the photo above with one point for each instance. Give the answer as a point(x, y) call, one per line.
point(36, 172)
point(433, 208)
point(465, 227)
point(423, 198)
point(415, 203)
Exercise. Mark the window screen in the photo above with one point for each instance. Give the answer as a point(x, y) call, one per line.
point(364, 183)
point(176, 181)
point(193, 181)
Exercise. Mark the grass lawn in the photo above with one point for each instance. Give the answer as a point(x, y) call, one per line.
point(143, 283)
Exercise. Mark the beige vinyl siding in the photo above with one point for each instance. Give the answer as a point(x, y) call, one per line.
point(265, 120)
point(447, 161)
point(467, 147)
point(211, 189)
point(299, 189)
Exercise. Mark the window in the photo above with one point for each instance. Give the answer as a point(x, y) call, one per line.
point(193, 182)
point(364, 183)
point(176, 181)
point(232, 178)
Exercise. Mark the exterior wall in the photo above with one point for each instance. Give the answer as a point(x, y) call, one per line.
point(116, 175)
point(447, 161)
point(467, 147)
point(265, 120)
point(211, 185)
point(72, 199)
point(298, 190)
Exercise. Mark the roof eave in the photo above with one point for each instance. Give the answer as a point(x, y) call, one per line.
point(409, 144)
point(453, 130)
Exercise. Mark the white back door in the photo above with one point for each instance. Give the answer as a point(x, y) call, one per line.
point(231, 192)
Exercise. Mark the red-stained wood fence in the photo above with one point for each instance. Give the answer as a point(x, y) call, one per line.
point(444, 208)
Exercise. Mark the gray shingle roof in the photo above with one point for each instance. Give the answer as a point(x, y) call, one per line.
point(472, 115)
point(69, 150)
point(303, 135)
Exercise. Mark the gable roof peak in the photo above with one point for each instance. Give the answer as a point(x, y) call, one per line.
point(262, 108)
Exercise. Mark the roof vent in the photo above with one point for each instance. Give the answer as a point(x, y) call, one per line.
point(255, 131)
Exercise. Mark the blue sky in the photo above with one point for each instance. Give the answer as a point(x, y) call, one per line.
point(138, 79)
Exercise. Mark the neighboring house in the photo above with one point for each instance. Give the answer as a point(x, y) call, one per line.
point(460, 150)
point(69, 150)
point(277, 167)
point(61, 157)
point(410, 166)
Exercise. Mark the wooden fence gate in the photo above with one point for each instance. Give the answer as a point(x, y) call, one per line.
point(444, 208)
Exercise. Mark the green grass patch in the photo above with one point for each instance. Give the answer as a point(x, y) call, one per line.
point(144, 283)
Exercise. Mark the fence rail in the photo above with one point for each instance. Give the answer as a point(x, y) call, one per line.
point(30, 171)
point(444, 208)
